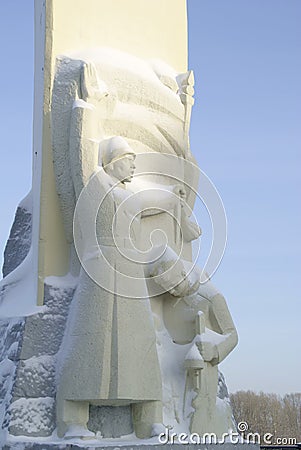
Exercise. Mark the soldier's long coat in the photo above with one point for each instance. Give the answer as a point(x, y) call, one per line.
point(110, 354)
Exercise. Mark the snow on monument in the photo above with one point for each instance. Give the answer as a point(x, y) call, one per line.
point(109, 326)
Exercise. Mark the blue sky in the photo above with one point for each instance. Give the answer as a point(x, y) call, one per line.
point(245, 133)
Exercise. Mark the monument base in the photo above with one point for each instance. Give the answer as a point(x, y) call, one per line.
point(133, 446)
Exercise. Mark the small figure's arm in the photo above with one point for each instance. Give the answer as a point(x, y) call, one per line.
point(224, 325)
point(216, 346)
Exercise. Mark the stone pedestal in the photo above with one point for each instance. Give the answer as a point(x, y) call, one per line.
point(144, 446)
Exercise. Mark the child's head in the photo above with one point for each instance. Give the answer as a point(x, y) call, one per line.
point(180, 278)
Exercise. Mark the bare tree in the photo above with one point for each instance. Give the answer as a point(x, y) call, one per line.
point(269, 413)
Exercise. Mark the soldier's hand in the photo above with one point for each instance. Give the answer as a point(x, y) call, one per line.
point(207, 350)
point(92, 89)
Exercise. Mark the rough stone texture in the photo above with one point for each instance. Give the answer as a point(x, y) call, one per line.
point(43, 335)
point(40, 446)
point(33, 407)
point(111, 421)
point(224, 397)
point(57, 300)
point(36, 378)
point(28, 348)
point(11, 331)
point(32, 446)
point(19, 241)
point(32, 416)
point(222, 390)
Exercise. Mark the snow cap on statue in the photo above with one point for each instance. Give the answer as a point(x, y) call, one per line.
point(112, 149)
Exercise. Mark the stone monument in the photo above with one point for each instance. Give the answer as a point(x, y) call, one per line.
point(121, 333)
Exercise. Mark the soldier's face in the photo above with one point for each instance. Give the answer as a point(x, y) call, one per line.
point(124, 168)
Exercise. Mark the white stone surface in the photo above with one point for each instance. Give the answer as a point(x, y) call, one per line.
point(109, 353)
point(143, 333)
